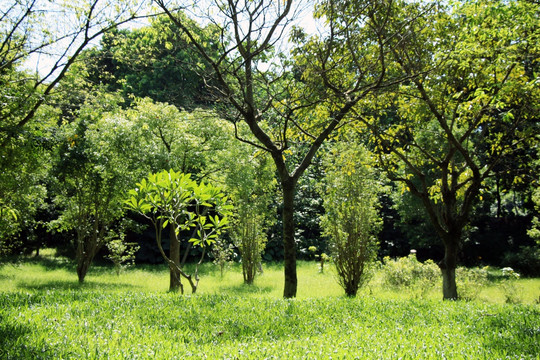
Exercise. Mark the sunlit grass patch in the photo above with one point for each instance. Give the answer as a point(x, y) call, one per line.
point(45, 313)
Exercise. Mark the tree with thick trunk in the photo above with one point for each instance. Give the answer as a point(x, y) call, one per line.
point(471, 101)
point(274, 91)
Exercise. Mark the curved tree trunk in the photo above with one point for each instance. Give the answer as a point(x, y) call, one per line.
point(175, 283)
point(289, 246)
point(86, 250)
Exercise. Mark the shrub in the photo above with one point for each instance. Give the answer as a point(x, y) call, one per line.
point(408, 272)
point(511, 292)
point(351, 220)
point(470, 281)
point(249, 237)
point(526, 260)
point(223, 254)
point(122, 254)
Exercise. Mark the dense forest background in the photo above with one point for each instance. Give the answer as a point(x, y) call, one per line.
point(143, 99)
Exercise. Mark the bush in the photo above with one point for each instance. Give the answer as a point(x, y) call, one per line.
point(511, 292)
point(526, 261)
point(408, 272)
point(249, 237)
point(121, 253)
point(223, 254)
point(470, 282)
point(351, 220)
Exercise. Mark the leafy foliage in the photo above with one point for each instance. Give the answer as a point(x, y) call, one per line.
point(93, 170)
point(170, 197)
point(154, 61)
point(351, 220)
point(467, 106)
point(251, 182)
point(120, 253)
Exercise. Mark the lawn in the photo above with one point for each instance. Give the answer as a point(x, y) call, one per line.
point(46, 314)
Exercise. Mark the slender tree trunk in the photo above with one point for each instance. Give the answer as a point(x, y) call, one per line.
point(498, 192)
point(83, 257)
point(289, 246)
point(82, 269)
point(175, 283)
point(448, 269)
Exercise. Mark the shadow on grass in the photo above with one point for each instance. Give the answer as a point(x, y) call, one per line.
point(72, 285)
point(48, 262)
point(245, 289)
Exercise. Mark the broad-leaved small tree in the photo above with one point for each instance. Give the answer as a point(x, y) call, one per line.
point(170, 197)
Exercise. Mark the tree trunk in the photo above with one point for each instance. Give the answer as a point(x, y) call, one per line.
point(499, 201)
point(84, 257)
point(448, 270)
point(82, 269)
point(289, 246)
point(175, 283)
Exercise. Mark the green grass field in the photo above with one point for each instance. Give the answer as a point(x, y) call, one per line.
point(46, 314)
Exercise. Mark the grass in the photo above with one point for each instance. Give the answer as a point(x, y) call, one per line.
point(46, 314)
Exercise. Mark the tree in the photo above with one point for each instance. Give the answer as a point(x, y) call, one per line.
point(39, 41)
point(189, 142)
point(256, 82)
point(23, 179)
point(55, 33)
point(154, 61)
point(351, 220)
point(170, 197)
point(469, 103)
point(252, 186)
point(93, 172)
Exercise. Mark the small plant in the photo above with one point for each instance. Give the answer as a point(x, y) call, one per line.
point(511, 292)
point(471, 281)
point(223, 254)
point(323, 258)
point(410, 273)
point(122, 254)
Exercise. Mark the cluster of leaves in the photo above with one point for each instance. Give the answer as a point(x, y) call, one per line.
point(351, 220)
point(170, 197)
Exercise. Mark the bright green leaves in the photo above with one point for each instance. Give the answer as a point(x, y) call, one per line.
point(351, 219)
point(170, 197)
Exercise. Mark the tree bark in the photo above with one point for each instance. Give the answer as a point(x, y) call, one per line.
point(82, 269)
point(448, 270)
point(84, 256)
point(289, 246)
point(175, 283)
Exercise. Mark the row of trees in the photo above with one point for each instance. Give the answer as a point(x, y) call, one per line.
point(443, 99)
